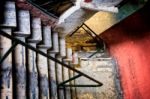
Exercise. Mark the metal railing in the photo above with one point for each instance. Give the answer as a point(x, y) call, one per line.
point(60, 85)
point(91, 33)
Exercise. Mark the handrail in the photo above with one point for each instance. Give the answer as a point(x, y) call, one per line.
point(98, 39)
point(49, 57)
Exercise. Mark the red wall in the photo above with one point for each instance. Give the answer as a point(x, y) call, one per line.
point(129, 43)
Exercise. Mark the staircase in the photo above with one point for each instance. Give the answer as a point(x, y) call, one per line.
point(35, 62)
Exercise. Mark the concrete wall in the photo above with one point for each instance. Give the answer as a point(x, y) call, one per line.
point(103, 70)
point(129, 43)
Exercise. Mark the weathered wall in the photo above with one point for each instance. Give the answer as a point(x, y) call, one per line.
point(129, 43)
point(103, 70)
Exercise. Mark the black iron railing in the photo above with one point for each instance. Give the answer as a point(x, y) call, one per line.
point(90, 32)
point(63, 84)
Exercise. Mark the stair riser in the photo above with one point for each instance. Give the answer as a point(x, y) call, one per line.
point(10, 15)
point(43, 75)
point(23, 23)
point(6, 67)
point(52, 76)
point(32, 74)
point(20, 70)
point(59, 77)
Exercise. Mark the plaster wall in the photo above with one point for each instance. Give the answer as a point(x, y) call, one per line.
point(128, 42)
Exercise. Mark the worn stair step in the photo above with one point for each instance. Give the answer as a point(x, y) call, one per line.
point(6, 86)
point(52, 66)
point(75, 59)
point(59, 77)
point(9, 22)
point(32, 70)
point(42, 63)
point(55, 43)
point(9, 15)
point(73, 89)
point(52, 76)
point(47, 39)
point(69, 61)
point(21, 33)
point(59, 67)
point(23, 24)
point(62, 46)
point(36, 35)
point(20, 70)
point(68, 54)
point(32, 65)
point(67, 90)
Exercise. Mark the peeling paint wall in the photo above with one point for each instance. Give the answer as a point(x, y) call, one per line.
point(129, 43)
point(103, 70)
